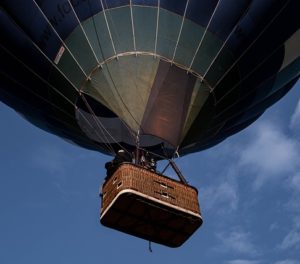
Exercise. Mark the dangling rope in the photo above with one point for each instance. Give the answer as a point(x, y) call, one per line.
point(150, 247)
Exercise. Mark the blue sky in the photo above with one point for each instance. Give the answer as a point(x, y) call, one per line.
point(249, 191)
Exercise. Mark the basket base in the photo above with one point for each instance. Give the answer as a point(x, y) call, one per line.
point(142, 216)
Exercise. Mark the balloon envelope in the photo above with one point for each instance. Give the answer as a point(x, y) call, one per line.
point(166, 75)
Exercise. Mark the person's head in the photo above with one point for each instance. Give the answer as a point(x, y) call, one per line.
point(121, 152)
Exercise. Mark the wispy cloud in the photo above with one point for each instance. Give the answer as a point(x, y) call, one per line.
point(243, 261)
point(223, 196)
point(295, 182)
point(295, 119)
point(237, 241)
point(288, 261)
point(292, 238)
point(274, 226)
point(270, 154)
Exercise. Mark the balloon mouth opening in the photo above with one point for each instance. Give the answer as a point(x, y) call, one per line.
point(103, 126)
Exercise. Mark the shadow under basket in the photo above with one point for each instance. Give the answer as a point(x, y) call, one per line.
point(144, 204)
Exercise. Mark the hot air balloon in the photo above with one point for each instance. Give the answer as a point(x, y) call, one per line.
point(161, 77)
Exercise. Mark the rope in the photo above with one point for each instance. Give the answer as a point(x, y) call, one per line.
point(109, 32)
point(150, 247)
point(181, 26)
point(157, 24)
point(69, 81)
point(202, 38)
point(102, 53)
point(225, 42)
point(62, 41)
point(48, 84)
point(83, 31)
point(108, 70)
point(248, 75)
point(132, 26)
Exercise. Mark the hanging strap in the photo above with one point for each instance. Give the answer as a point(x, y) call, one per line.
point(150, 248)
point(178, 172)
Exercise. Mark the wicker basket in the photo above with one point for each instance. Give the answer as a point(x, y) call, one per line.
point(142, 203)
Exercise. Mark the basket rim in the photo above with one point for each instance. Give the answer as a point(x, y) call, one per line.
point(148, 171)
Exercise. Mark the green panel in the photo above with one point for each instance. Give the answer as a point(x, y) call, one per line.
point(64, 87)
point(124, 86)
point(168, 31)
point(97, 32)
point(119, 20)
point(145, 28)
point(190, 38)
point(289, 73)
point(199, 97)
point(208, 62)
point(208, 50)
point(81, 50)
point(71, 69)
point(221, 64)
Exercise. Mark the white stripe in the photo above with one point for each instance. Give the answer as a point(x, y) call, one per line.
point(148, 198)
point(132, 25)
point(79, 22)
point(110, 36)
point(200, 43)
point(157, 23)
point(179, 35)
point(45, 17)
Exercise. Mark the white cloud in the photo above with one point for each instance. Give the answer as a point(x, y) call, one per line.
point(274, 226)
point(288, 261)
point(295, 119)
point(295, 182)
point(292, 239)
point(237, 241)
point(270, 154)
point(243, 261)
point(221, 197)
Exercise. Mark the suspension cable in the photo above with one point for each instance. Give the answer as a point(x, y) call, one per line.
point(84, 32)
point(180, 30)
point(157, 24)
point(224, 44)
point(69, 81)
point(202, 38)
point(62, 41)
point(102, 53)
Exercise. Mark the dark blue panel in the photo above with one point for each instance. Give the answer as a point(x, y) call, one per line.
point(259, 15)
point(114, 3)
point(31, 21)
point(201, 11)
point(86, 8)
point(177, 6)
point(244, 113)
point(19, 44)
point(60, 15)
point(145, 2)
point(268, 48)
point(227, 15)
